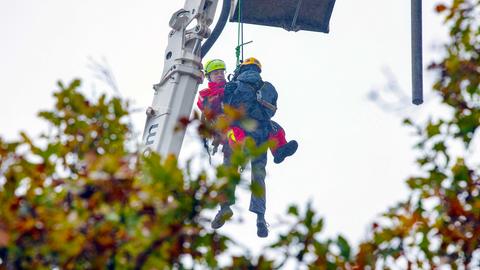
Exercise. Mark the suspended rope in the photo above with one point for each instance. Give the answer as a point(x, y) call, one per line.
point(240, 43)
point(240, 34)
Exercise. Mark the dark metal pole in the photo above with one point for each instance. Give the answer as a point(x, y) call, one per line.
point(417, 63)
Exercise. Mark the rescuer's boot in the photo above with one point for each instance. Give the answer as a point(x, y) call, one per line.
point(223, 214)
point(285, 151)
point(262, 230)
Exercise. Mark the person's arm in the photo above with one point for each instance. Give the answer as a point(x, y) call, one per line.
point(201, 99)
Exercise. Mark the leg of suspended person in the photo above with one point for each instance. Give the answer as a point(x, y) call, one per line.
point(282, 148)
point(257, 201)
point(225, 211)
point(230, 191)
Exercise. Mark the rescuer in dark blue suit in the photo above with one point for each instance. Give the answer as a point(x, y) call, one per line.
point(259, 100)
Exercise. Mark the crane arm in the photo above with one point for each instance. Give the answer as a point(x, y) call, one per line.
point(175, 93)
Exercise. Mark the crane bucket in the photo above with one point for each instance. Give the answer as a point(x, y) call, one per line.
point(291, 15)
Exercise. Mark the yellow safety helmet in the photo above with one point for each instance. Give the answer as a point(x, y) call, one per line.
point(215, 64)
point(252, 61)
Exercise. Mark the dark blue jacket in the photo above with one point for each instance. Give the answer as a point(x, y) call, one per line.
point(242, 92)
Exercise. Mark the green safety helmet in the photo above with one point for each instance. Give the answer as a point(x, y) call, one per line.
point(215, 64)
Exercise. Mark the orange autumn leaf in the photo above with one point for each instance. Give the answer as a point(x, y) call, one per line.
point(440, 8)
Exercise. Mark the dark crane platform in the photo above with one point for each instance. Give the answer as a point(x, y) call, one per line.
point(291, 15)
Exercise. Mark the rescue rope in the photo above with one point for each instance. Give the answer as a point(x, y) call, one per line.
point(240, 43)
point(240, 34)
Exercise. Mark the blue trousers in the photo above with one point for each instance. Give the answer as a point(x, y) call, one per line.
point(257, 202)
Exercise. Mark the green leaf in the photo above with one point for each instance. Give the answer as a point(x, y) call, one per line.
point(293, 210)
point(433, 129)
point(344, 247)
point(257, 189)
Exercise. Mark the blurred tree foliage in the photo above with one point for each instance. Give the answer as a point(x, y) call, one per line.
point(79, 198)
point(439, 224)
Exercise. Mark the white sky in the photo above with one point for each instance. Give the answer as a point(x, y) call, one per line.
point(353, 157)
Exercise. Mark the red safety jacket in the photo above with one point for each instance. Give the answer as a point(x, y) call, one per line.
point(211, 98)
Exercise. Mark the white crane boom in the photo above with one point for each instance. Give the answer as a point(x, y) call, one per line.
point(182, 73)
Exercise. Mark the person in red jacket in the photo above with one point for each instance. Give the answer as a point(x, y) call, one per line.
point(210, 103)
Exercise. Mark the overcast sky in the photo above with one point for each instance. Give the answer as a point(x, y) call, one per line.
point(353, 157)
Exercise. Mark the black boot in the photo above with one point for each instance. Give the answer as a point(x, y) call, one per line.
point(285, 151)
point(262, 226)
point(223, 215)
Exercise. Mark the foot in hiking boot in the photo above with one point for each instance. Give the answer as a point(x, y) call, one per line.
point(262, 230)
point(224, 214)
point(285, 151)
